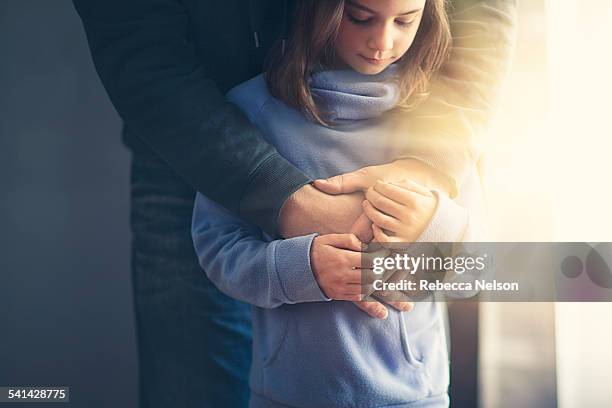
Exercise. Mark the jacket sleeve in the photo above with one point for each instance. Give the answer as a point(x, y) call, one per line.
point(148, 64)
point(448, 128)
point(244, 265)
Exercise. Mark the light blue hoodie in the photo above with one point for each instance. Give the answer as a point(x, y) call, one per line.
point(309, 351)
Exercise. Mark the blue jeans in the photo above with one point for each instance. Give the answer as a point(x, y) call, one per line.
point(194, 343)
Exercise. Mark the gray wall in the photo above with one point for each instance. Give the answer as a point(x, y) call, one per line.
point(65, 288)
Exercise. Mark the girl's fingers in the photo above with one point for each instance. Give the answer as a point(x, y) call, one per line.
point(400, 194)
point(407, 198)
point(412, 186)
point(385, 204)
point(383, 220)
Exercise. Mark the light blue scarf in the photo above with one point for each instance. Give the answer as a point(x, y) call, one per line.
point(350, 95)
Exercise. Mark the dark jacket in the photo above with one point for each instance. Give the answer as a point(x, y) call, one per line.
point(166, 65)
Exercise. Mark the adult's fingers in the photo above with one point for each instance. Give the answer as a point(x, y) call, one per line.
point(346, 183)
point(352, 277)
point(381, 236)
point(346, 291)
point(401, 306)
point(374, 309)
point(362, 228)
point(343, 241)
point(353, 289)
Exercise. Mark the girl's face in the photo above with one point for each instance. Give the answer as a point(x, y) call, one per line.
point(376, 33)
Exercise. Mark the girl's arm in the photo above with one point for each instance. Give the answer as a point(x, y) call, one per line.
point(408, 212)
point(245, 265)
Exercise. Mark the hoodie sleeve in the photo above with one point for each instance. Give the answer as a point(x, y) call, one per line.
point(450, 222)
point(244, 265)
point(454, 223)
point(147, 60)
point(448, 128)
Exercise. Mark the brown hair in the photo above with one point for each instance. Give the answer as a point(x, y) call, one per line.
point(311, 44)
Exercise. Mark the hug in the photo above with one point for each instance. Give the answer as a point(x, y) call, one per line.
point(331, 101)
point(270, 141)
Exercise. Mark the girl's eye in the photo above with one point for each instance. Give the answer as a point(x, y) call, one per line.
point(365, 21)
point(404, 23)
point(358, 21)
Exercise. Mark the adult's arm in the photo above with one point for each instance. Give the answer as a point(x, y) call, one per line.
point(148, 64)
point(447, 130)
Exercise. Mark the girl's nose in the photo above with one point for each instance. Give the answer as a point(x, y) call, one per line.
point(381, 39)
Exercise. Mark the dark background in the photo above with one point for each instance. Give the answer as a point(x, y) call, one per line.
point(65, 288)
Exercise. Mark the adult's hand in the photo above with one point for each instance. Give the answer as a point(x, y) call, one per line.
point(397, 171)
point(335, 260)
point(378, 310)
point(310, 210)
point(334, 206)
point(362, 228)
point(364, 179)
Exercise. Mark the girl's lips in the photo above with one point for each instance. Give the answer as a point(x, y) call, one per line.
point(374, 61)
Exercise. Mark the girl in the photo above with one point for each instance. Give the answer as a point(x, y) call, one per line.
point(327, 103)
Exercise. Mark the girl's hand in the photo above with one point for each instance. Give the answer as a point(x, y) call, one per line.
point(399, 211)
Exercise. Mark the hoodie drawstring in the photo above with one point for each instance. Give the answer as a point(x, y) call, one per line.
point(256, 19)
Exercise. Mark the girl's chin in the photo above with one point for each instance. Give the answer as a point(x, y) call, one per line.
point(370, 70)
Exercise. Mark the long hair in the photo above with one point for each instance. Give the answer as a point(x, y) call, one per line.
point(311, 42)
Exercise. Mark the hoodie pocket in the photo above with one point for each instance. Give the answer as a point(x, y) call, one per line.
point(332, 354)
point(414, 358)
point(274, 328)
